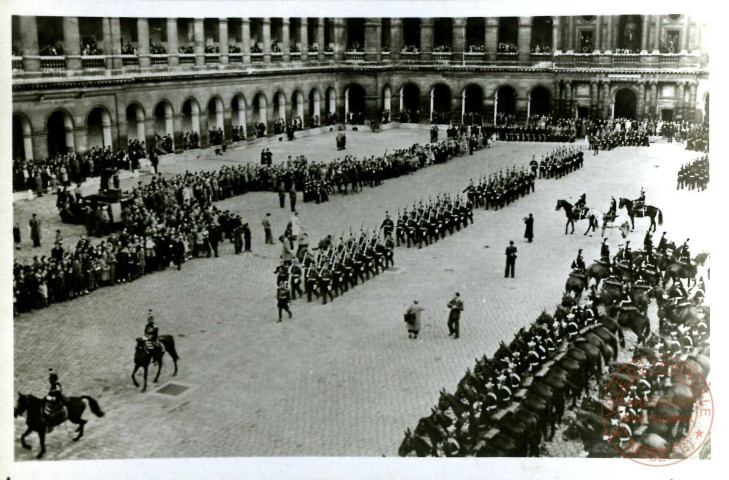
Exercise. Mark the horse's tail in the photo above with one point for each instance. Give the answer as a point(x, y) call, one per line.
point(93, 405)
point(660, 216)
point(169, 342)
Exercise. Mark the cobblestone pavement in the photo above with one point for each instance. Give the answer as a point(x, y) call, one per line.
point(340, 379)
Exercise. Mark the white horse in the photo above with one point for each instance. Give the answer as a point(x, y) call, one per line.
point(621, 223)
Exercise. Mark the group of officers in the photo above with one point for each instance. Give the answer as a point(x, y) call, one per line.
point(694, 175)
point(498, 190)
point(559, 162)
point(608, 140)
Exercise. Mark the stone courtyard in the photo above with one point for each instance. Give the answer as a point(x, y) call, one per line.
point(341, 379)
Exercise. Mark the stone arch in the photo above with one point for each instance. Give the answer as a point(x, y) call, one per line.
point(505, 98)
point(331, 97)
point(297, 105)
point(215, 111)
point(540, 101)
point(239, 113)
point(387, 97)
point(59, 128)
point(22, 137)
point(315, 103)
point(472, 104)
point(279, 105)
point(409, 102)
point(625, 102)
point(164, 120)
point(440, 103)
point(135, 122)
point(260, 105)
point(191, 115)
point(98, 122)
point(354, 98)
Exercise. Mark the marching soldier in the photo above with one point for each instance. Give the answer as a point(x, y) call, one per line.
point(325, 283)
point(295, 275)
point(284, 299)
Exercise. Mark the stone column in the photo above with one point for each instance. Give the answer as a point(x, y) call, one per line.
point(285, 40)
point(29, 44)
point(426, 39)
point(568, 98)
point(223, 37)
point(690, 109)
point(304, 39)
point(106, 34)
point(594, 112)
point(198, 36)
point(556, 102)
point(556, 34)
point(245, 26)
point(525, 38)
point(657, 35)
point(598, 33)
point(571, 34)
point(679, 100)
point(72, 43)
point(684, 34)
point(644, 34)
point(697, 36)
point(267, 43)
point(320, 38)
point(116, 61)
point(143, 39)
point(653, 99)
point(395, 39)
point(80, 140)
point(606, 99)
point(609, 40)
point(28, 145)
point(173, 55)
point(340, 39)
point(640, 106)
point(459, 38)
point(373, 39)
point(492, 35)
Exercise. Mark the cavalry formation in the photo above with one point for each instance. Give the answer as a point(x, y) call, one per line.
point(508, 404)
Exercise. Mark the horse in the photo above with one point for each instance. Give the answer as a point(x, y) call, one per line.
point(647, 211)
point(576, 283)
point(599, 271)
point(618, 222)
point(572, 216)
point(32, 407)
point(414, 443)
point(142, 358)
point(636, 321)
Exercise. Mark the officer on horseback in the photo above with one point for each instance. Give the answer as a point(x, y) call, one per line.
point(662, 243)
point(151, 336)
point(613, 212)
point(54, 409)
point(640, 201)
point(683, 254)
point(578, 265)
point(581, 203)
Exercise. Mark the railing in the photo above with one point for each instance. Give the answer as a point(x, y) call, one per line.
point(256, 57)
point(276, 56)
point(385, 56)
point(328, 55)
point(409, 57)
point(295, 56)
point(187, 59)
point(212, 58)
point(235, 58)
point(92, 62)
point(130, 61)
point(474, 57)
point(626, 58)
point(669, 59)
point(583, 58)
point(507, 56)
point(442, 57)
point(53, 64)
point(540, 57)
point(354, 56)
point(159, 59)
point(17, 63)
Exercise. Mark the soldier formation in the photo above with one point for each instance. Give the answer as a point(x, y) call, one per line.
point(560, 162)
point(694, 175)
point(499, 190)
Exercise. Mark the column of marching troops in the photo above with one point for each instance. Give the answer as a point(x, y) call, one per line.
point(694, 175)
point(507, 404)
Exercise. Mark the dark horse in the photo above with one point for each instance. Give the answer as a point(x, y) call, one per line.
point(573, 216)
point(142, 358)
point(649, 211)
point(32, 407)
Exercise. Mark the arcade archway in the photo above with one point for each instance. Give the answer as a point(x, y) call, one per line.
point(625, 103)
point(60, 133)
point(22, 140)
point(539, 102)
point(99, 128)
point(440, 104)
point(354, 100)
point(409, 103)
point(239, 115)
point(505, 102)
point(191, 116)
point(135, 123)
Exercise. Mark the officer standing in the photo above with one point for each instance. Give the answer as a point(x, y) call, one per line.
point(281, 195)
point(284, 298)
point(454, 317)
point(529, 230)
point(510, 260)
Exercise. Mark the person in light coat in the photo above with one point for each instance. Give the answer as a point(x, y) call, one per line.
point(414, 327)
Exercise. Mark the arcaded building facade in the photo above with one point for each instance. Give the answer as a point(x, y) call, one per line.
point(80, 82)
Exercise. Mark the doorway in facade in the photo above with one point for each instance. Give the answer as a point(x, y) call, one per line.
point(625, 103)
point(583, 112)
point(667, 115)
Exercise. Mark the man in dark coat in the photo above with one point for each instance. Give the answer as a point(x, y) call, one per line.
point(454, 317)
point(35, 230)
point(510, 259)
point(529, 231)
point(247, 238)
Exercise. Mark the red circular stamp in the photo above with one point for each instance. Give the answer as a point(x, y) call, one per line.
point(657, 409)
